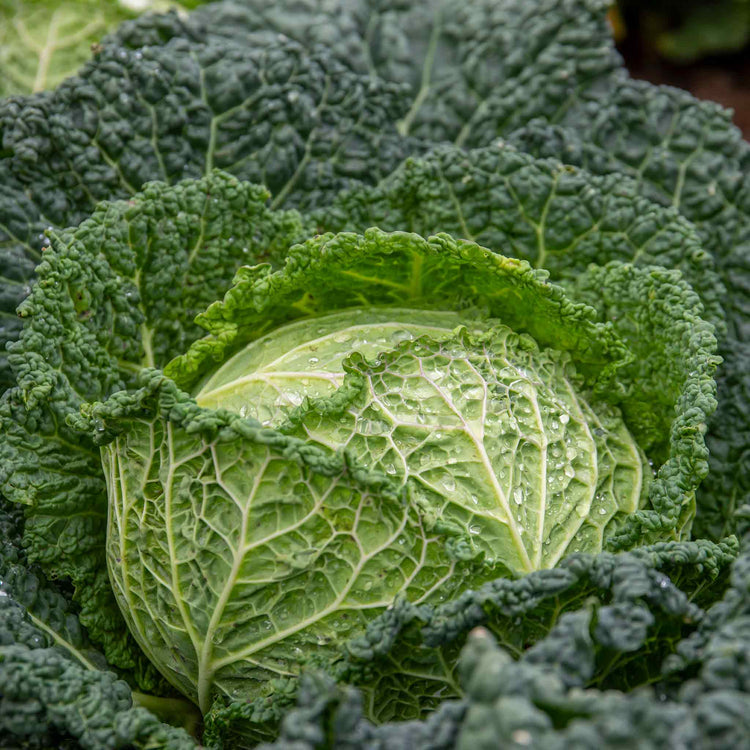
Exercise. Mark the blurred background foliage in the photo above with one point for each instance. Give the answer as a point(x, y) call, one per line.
point(699, 45)
point(684, 31)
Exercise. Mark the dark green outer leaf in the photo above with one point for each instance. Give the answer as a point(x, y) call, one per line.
point(474, 69)
point(47, 696)
point(557, 217)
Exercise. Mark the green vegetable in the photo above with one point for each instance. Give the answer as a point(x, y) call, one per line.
point(471, 448)
point(277, 442)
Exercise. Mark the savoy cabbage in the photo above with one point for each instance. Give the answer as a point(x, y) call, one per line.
point(346, 328)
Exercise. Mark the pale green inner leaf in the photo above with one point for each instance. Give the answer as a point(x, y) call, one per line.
point(273, 374)
point(231, 563)
point(493, 440)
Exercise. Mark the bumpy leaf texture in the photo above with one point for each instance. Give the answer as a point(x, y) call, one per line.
point(557, 217)
point(688, 155)
point(118, 301)
point(300, 123)
point(334, 272)
point(542, 698)
point(186, 109)
point(191, 455)
point(55, 690)
point(473, 70)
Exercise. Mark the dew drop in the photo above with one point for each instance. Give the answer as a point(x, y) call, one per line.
point(401, 335)
point(474, 393)
point(518, 495)
point(474, 529)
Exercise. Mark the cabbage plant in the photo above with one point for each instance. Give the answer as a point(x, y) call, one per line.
point(376, 417)
point(379, 452)
point(263, 443)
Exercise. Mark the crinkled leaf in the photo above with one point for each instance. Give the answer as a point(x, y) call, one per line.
point(667, 414)
point(234, 550)
point(301, 123)
point(542, 698)
point(117, 294)
point(400, 269)
point(555, 216)
point(474, 70)
point(686, 154)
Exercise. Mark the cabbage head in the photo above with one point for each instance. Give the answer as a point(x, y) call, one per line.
point(369, 418)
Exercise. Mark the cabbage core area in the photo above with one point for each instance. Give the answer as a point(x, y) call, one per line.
point(495, 439)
